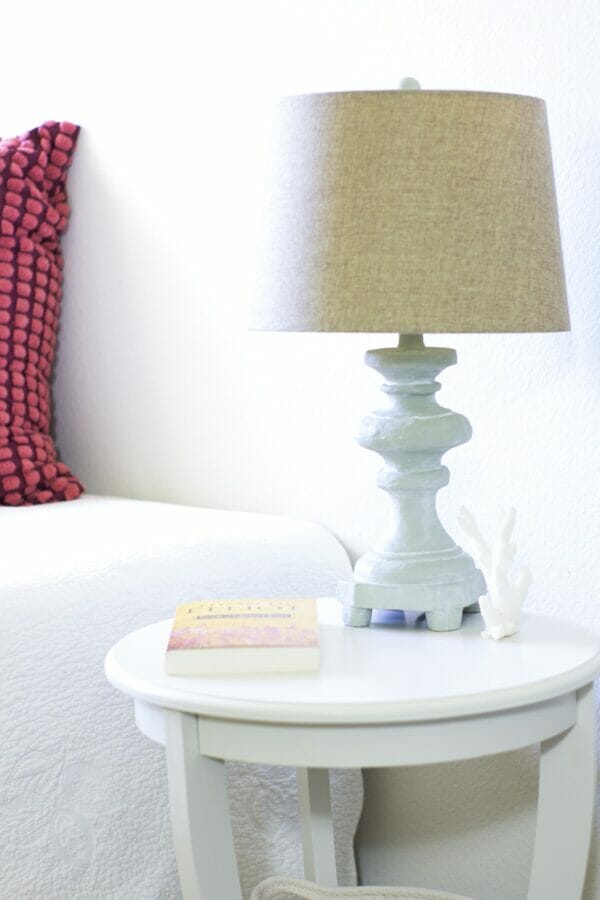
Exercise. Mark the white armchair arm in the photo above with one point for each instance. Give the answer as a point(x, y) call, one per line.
point(83, 800)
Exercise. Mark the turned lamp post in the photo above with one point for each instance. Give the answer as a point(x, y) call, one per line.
point(411, 211)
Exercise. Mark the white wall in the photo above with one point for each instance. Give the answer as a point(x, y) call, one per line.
point(161, 393)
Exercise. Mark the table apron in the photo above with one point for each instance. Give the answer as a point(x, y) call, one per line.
point(372, 745)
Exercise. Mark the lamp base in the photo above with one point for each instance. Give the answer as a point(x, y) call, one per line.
point(443, 604)
point(415, 565)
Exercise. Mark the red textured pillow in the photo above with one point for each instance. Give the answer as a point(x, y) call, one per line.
point(33, 216)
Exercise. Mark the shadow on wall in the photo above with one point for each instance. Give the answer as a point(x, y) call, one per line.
point(117, 327)
point(406, 824)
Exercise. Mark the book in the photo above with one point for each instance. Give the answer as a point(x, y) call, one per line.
point(218, 637)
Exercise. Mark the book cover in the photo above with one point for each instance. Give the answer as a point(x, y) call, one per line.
point(243, 636)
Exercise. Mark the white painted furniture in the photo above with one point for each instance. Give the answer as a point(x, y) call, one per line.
point(391, 695)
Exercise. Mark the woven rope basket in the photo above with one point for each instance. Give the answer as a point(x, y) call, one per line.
point(292, 889)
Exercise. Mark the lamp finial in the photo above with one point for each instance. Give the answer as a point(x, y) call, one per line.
point(409, 84)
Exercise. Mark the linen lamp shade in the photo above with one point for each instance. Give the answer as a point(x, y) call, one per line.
point(411, 211)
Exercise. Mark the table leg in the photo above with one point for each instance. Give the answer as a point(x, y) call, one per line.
point(566, 803)
point(317, 825)
point(200, 819)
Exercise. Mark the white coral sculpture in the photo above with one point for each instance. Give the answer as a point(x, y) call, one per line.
point(501, 607)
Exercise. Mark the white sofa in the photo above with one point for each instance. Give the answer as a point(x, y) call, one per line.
point(83, 807)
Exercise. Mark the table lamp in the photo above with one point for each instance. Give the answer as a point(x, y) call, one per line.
point(411, 211)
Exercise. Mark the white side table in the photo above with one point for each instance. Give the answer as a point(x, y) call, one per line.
point(394, 694)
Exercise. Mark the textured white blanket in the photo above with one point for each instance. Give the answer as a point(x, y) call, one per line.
point(83, 804)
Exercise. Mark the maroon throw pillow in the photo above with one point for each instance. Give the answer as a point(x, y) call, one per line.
point(33, 216)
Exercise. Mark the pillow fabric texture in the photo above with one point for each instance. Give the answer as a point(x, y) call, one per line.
point(33, 215)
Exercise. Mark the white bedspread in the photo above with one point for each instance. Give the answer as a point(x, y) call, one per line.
point(83, 805)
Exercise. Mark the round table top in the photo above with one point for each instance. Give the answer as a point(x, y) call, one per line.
point(396, 670)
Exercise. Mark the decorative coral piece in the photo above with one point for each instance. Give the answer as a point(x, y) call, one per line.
point(501, 607)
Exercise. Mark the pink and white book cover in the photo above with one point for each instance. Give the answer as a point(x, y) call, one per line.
point(219, 624)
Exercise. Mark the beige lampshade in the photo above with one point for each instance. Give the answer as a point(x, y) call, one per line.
point(411, 211)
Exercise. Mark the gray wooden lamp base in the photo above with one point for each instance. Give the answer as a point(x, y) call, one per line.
point(415, 565)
